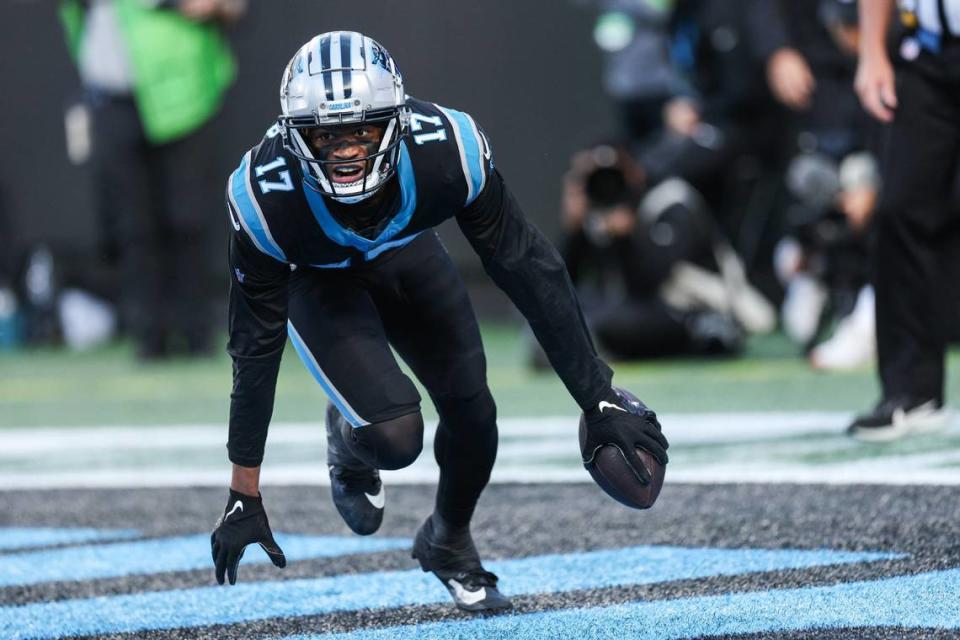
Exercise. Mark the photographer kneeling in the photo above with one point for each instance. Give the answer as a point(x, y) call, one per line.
point(655, 278)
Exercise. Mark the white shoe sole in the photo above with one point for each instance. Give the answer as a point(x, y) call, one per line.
point(903, 425)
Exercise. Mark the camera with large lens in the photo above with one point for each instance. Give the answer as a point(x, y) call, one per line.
point(607, 189)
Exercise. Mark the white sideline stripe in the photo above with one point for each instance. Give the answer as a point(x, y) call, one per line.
point(542, 449)
point(683, 428)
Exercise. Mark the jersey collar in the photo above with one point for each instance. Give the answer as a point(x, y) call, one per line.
point(348, 238)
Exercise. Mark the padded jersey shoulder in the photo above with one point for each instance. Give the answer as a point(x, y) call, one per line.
point(266, 182)
point(451, 161)
point(267, 203)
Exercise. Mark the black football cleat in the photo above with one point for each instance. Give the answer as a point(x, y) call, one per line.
point(356, 488)
point(456, 564)
point(895, 418)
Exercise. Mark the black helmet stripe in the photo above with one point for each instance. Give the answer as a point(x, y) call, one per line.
point(346, 62)
point(336, 63)
point(324, 65)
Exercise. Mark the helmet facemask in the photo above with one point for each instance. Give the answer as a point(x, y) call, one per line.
point(379, 162)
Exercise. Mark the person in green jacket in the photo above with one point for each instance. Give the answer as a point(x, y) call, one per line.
point(155, 73)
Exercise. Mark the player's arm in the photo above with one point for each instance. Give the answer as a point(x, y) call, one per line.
point(529, 270)
point(527, 267)
point(257, 325)
point(258, 333)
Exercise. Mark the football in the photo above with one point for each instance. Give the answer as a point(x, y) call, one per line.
point(611, 472)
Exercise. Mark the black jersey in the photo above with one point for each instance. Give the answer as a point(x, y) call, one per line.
point(443, 166)
point(282, 226)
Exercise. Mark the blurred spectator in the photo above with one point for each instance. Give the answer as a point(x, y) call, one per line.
point(692, 72)
point(824, 260)
point(638, 71)
point(725, 137)
point(154, 74)
point(832, 186)
point(653, 275)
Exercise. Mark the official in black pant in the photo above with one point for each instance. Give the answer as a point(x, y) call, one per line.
point(918, 230)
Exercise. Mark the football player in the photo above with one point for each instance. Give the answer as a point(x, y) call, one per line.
point(334, 248)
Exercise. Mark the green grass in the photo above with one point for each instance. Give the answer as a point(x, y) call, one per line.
point(106, 386)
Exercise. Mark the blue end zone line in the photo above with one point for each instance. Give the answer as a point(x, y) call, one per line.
point(27, 537)
point(911, 601)
point(183, 553)
point(186, 608)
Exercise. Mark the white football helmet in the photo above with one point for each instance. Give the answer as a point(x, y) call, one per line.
point(338, 78)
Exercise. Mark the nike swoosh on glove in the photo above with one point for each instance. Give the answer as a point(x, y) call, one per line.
point(243, 522)
point(622, 420)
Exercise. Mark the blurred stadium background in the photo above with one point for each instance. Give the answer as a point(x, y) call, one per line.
point(866, 534)
point(542, 97)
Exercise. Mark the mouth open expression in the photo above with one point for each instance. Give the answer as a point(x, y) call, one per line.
point(347, 149)
point(347, 173)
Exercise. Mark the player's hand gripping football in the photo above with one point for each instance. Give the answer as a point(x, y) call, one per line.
point(243, 522)
point(625, 422)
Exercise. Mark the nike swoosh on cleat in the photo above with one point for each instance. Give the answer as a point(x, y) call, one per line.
point(467, 597)
point(604, 404)
point(236, 505)
point(377, 500)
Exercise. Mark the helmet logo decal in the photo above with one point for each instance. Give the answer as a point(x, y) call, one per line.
point(380, 57)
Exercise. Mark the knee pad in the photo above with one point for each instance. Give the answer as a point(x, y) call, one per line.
point(391, 444)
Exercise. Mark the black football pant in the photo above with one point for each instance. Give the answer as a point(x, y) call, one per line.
point(159, 206)
point(343, 324)
point(918, 231)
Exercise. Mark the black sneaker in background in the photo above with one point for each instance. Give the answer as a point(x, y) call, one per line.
point(454, 560)
point(894, 418)
point(356, 488)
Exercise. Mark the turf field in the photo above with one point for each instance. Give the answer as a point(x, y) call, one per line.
point(771, 525)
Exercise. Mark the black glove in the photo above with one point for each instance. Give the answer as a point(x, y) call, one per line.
point(243, 522)
point(624, 421)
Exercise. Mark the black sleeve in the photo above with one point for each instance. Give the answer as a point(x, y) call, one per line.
point(766, 28)
point(258, 333)
point(529, 270)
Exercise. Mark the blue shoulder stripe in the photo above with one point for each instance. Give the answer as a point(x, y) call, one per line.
point(471, 148)
point(250, 214)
